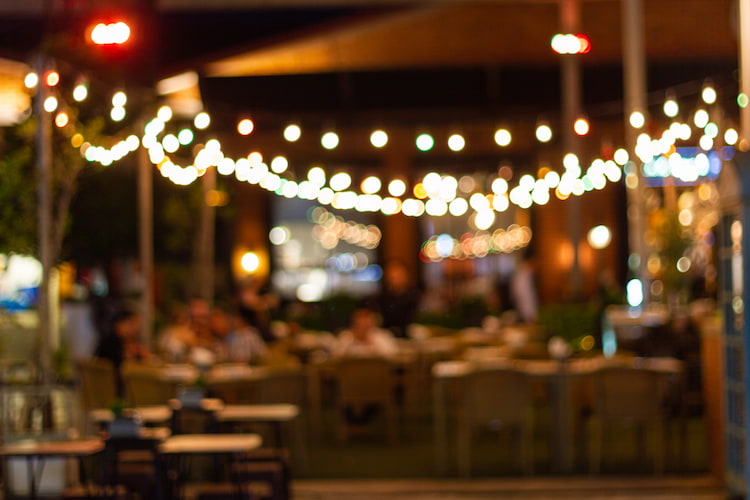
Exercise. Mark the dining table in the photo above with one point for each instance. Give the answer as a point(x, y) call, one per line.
point(174, 451)
point(557, 375)
point(35, 452)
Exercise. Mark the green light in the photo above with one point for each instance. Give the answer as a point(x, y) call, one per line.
point(742, 100)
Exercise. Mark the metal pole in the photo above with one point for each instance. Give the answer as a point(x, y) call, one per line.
point(146, 241)
point(570, 75)
point(44, 219)
point(634, 83)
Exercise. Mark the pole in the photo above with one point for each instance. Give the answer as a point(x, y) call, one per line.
point(743, 167)
point(634, 84)
point(206, 238)
point(44, 219)
point(570, 75)
point(146, 243)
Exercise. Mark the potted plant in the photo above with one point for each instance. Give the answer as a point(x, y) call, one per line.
point(124, 424)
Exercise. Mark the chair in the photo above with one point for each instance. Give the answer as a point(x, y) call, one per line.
point(283, 385)
point(364, 383)
point(98, 383)
point(145, 385)
point(628, 395)
point(497, 398)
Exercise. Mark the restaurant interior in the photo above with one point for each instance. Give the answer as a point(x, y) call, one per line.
point(532, 209)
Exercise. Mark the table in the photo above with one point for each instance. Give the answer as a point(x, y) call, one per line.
point(558, 375)
point(30, 450)
point(273, 414)
point(146, 414)
point(179, 446)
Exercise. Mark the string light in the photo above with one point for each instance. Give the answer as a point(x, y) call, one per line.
point(439, 192)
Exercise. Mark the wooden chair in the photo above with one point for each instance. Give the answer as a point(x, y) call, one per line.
point(283, 385)
point(145, 385)
point(628, 395)
point(362, 383)
point(98, 383)
point(496, 398)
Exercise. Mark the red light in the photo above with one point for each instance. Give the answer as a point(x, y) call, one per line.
point(110, 34)
point(571, 44)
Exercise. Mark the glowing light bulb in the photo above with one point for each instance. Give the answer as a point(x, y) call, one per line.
point(581, 126)
point(164, 114)
point(329, 140)
point(117, 114)
point(425, 142)
point(61, 119)
point(292, 132)
point(50, 104)
point(637, 119)
point(396, 187)
point(80, 92)
point(708, 94)
point(245, 126)
point(502, 137)
point(544, 133)
point(371, 185)
point(671, 108)
point(379, 138)
point(456, 142)
point(119, 99)
point(202, 120)
point(31, 80)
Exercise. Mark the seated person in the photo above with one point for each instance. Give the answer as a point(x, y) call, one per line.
point(177, 338)
point(121, 343)
point(243, 343)
point(365, 338)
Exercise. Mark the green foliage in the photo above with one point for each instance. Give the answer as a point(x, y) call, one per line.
point(570, 321)
point(17, 189)
point(674, 242)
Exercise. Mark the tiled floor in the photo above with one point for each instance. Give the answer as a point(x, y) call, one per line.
point(599, 488)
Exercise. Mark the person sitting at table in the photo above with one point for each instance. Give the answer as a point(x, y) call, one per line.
point(177, 338)
point(243, 343)
point(365, 338)
point(121, 342)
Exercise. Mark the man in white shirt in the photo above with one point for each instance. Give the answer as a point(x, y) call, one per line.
point(365, 338)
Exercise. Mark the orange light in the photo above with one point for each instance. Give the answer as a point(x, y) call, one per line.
point(245, 127)
point(581, 126)
point(52, 78)
point(419, 191)
point(61, 119)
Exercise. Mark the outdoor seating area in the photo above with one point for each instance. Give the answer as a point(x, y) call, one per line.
point(334, 249)
point(448, 403)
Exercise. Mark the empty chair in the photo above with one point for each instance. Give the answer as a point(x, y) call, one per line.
point(283, 385)
point(496, 399)
point(365, 387)
point(98, 383)
point(632, 396)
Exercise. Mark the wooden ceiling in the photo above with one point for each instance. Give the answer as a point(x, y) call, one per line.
point(462, 34)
